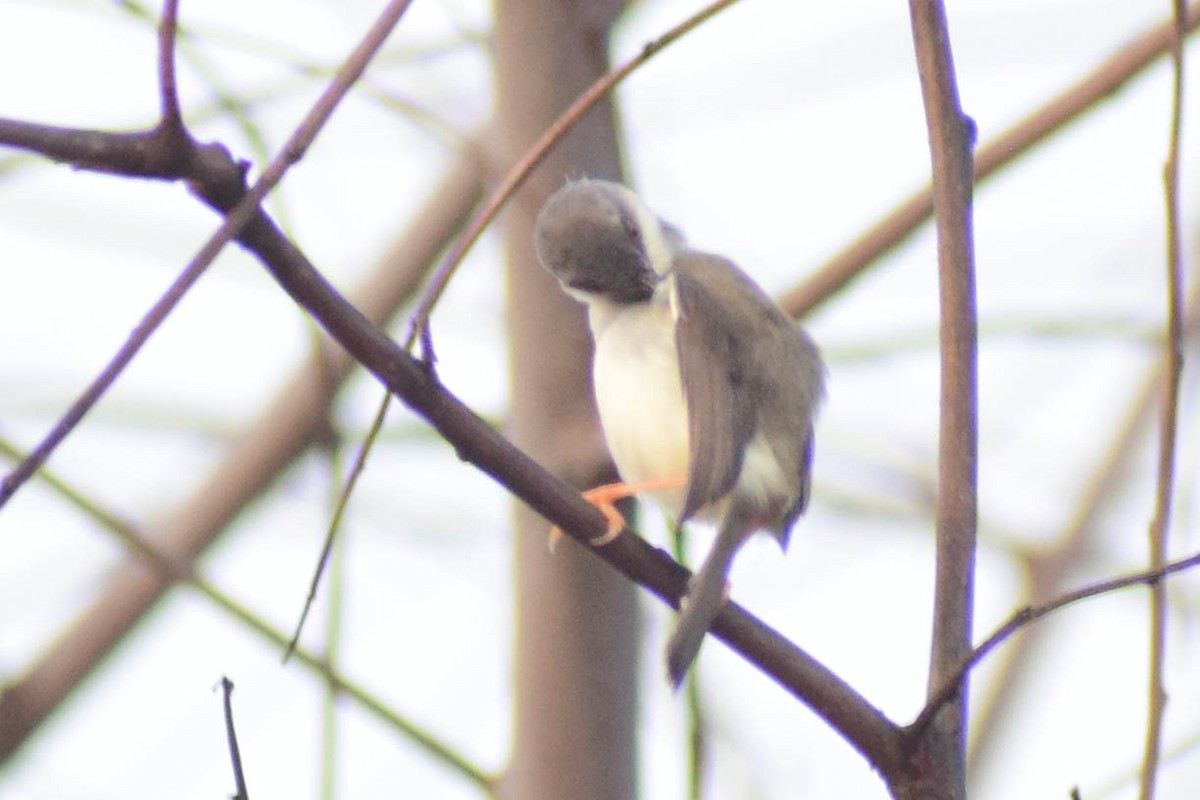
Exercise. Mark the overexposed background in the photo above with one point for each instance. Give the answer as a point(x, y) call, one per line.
point(775, 134)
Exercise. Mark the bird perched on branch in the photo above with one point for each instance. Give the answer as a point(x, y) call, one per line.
point(706, 389)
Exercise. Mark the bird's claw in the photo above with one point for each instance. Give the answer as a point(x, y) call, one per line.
point(604, 497)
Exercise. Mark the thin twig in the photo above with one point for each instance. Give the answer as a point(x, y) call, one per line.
point(476, 442)
point(1051, 567)
point(335, 523)
point(1173, 357)
point(169, 128)
point(1028, 615)
point(294, 420)
point(419, 325)
point(343, 500)
point(179, 571)
point(246, 209)
point(235, 754)
point(334, 617)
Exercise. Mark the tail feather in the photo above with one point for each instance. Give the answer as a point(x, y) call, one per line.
point(706, 594)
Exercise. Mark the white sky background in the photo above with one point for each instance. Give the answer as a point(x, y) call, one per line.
point(773, 135)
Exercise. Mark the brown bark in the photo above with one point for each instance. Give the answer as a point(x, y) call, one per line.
point(576, 633)
point(951, 138)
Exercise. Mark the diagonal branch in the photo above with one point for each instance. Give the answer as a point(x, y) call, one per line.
point(476, 442)
point(223, 194)
point(867, 729)
point(1073, 102)
point(1027, 616)
point(152, 556)
point(286, 427)
point(419, 325)
point(166, 154)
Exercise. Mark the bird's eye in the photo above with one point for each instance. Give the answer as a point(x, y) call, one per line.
point(632, 230)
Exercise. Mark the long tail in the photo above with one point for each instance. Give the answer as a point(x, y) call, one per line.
point(705, 597)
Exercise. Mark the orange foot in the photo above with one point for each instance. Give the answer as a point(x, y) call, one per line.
point(604, 497)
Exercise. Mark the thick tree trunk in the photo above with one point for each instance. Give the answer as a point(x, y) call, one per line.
point(576, 639)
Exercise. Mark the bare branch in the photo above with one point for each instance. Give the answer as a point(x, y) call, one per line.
point(516, 176)
point(335, 520)
point(168, 30)
point(235, 753)
point(863, 725)
point(288, 425)
point(1029, 615)
point(241, 211)
point(1127, 63)
point(478, 443)
point(1168, 424)
point(20, 701)
point(951, 137)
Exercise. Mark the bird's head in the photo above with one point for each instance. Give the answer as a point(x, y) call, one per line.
point(602, 243)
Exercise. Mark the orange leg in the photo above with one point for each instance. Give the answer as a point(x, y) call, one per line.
point(604, 497)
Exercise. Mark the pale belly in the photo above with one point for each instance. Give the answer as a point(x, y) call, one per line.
point(640, 399)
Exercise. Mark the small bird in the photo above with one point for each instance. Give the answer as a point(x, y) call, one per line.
point(706, 389)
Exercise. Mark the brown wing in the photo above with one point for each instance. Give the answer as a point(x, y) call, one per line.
point(744, 367)
point(720, 414)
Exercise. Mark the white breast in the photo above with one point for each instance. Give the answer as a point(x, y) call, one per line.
point(636, 377)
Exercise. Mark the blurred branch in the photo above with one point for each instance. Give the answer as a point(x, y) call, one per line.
point(27, 694)
point(1030, 614)
point(335, 615)
point(1047, 330)
point(162, 153)
point(1168, 424)
point(419, 326)
point(1049, 568)
point(866, 728)
point(286, 427)
point(577, 624)
point(27, 703)
point(1120, 782)
point(341, 503)
point(951, 138)
point(477, 443)
point(889, 232)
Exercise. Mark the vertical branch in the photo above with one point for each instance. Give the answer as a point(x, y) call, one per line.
point(1173, 366)
point(168, 96)
point(235, 753)
point(951, 135)
point(335, 555)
